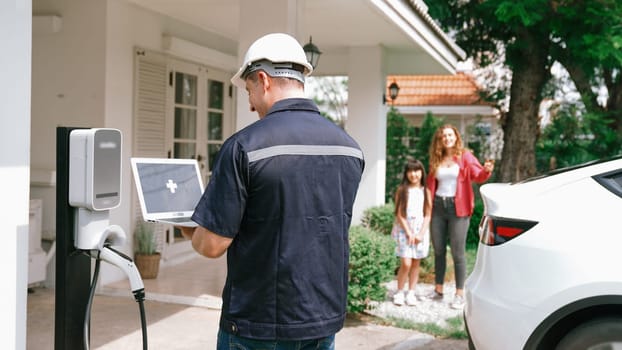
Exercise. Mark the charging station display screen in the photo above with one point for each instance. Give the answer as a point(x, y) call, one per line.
point(169, 188)
point(106, 169)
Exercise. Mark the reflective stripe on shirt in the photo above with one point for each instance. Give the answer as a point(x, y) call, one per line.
point(310, 150)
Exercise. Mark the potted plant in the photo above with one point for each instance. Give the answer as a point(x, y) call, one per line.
point(146, 258)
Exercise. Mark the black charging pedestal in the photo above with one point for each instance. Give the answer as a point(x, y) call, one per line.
point(73, 269)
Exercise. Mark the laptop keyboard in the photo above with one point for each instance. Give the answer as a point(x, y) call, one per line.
point(177, 219)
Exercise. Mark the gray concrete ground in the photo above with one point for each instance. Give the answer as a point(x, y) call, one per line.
point(182, 311)
point(115, 324)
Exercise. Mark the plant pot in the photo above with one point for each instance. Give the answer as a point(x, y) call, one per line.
point(148, 265)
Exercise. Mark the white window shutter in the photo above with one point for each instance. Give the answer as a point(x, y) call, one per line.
point(150, 102)
point(149, 136)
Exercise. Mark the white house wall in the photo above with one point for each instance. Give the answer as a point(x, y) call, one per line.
point(67, 74)
point(367, 123)
point(283, 18)
point(68, 69)
point(83, 76)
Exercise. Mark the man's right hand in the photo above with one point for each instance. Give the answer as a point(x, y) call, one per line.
point(206, 242)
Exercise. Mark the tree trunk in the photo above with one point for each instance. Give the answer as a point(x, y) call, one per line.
point(520, 126)
point(614, 105)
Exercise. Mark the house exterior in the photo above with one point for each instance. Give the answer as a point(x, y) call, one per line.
point(159, 72)
point(454, 98)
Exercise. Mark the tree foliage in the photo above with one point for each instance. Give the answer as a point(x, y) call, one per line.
point(570, 139)
point(330, 93)
point(403, 143)
point(426, 133)
point(527, 37)
point(400, 136)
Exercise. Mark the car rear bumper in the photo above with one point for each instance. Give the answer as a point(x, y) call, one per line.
point(492, 323)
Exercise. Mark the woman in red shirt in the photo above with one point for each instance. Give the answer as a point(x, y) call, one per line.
point(452, 171)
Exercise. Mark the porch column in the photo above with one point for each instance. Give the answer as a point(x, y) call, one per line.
point(284, 15)
point(15, 40)
point(367, 122)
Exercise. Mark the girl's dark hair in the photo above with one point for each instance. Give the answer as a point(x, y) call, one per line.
point(401, 194)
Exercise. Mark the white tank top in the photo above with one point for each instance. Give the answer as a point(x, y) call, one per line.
point(447, 178)
point(414, 207)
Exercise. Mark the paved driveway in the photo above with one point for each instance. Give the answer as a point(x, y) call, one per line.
point(115, 325)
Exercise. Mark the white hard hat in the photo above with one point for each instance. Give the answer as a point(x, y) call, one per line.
point(277, 54)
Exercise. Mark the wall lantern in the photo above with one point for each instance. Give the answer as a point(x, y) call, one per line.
point(394, 90)
point(312, 52)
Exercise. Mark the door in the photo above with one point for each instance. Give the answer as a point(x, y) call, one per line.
point(200, 119)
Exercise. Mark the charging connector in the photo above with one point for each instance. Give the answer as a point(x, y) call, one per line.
point(126, 264)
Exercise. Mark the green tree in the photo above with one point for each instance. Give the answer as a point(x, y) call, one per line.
point(588, 42)
point(330, 93)
point(400, 136)
point(426, 133)
point(403, 144)
point(527, 37)
point(570, 139)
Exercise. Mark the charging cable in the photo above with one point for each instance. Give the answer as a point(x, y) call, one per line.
point(126, 264)
point(87, 316)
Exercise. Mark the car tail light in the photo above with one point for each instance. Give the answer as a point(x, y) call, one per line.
point(496, 231)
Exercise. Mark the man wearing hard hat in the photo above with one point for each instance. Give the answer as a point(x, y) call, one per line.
point(279, 202)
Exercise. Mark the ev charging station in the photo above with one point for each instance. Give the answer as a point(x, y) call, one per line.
point(88, 163)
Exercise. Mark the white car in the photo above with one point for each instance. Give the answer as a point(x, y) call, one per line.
point(548, 273)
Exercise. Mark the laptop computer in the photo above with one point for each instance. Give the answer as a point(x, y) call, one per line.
point(168, 189)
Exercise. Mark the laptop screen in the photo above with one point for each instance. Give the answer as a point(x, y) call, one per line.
point(168, 187)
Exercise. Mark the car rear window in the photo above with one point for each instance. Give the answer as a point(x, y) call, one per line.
point(611, 181)
point(573, 167)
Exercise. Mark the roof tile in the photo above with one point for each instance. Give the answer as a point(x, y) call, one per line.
point(437, 90)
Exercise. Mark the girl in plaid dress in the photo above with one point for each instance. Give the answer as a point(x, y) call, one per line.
point(410, 230)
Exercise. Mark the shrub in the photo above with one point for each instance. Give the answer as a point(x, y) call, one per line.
point(372, 264)
point(380, 218)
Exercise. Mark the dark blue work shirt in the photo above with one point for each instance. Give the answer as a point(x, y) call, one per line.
point(283, 189)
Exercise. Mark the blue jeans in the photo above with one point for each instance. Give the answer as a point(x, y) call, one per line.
point(228, 341)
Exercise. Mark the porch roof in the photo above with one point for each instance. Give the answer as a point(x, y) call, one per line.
point(403, 27)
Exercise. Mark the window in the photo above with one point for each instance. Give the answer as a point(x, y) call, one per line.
point(200, 113)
